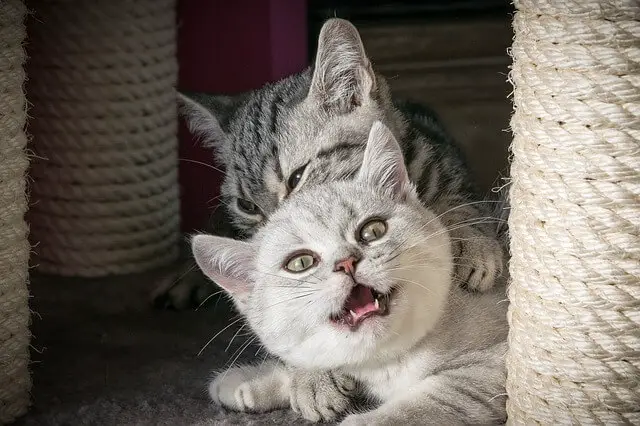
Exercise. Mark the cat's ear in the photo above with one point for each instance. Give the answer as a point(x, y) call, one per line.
point(227, 262)
point(205, 115)
point(383, 163)
point(343, 77)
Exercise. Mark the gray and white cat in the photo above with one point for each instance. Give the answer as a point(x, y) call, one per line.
point(356, 277)
point(311, 128)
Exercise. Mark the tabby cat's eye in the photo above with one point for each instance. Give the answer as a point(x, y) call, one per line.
point(372, 230)
point(295, 177)
point(300, 262)
point(247, 207)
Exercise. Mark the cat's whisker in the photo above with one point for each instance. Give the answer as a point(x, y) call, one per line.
point(461, 206)
point(291, 299)
point(243, 346)
point(178, 279)
point(469, 204)
point(215, 199)
point(428, 290)
point(264, 358)
point(189, 160)
point(206, 299)
point(302, 288)
point(457, 226)
point(234, 336)
point(451, 227)
point(217, 334)
point(239, 352)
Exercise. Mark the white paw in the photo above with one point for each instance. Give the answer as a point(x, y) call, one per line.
point(480, 260)
point(251, 388)
point(321, 396)
point(235, 390)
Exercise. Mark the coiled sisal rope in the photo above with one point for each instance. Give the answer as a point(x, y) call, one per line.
point(15, 381)
point(105, 190)
point(574, 353)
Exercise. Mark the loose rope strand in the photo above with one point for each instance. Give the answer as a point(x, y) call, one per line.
point(15, 380)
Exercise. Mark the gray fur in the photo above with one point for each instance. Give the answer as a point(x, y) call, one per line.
point(320, 118)
point(436, 358)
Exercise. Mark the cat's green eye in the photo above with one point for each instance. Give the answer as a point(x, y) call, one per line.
point(300, 262)
point(372, 230)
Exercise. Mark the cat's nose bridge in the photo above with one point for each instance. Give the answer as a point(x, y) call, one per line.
point(347, 265)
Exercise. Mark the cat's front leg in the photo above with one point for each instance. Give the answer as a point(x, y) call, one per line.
point(321, 395)
point(252, 388)
point(478, 254)
point(472, 395)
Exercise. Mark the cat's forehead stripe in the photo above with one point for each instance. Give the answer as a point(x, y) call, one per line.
point(343, 148)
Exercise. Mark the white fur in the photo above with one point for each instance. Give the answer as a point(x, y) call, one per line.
point(432, 324)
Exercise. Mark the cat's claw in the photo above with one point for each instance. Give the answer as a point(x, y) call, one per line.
point(321, 396)
point(480, 260)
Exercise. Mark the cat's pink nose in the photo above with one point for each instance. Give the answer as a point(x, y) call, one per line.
point(347, 265)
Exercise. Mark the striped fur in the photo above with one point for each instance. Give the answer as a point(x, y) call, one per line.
point(320, 118)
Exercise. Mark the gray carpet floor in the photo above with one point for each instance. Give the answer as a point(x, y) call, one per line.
point(102, 356)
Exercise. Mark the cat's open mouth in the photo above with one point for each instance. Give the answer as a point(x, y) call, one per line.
point(362, 303)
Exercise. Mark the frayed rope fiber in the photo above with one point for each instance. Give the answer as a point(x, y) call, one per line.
point(15, 380)
point(102, 78)
point(574, 354)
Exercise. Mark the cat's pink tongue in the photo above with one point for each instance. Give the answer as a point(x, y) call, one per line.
point(361, 301)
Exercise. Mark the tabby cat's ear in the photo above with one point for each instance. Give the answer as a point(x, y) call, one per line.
point(383, 163)
point(343, 77)
point(227, 262)
point(205, 115)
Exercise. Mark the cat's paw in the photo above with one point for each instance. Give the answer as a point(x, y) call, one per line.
point(321, 396)
point(182, 288)
point(480, 260)
point(234, 391)
point(244, 389)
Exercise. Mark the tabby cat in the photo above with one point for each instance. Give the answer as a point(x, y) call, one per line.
point(311, 128)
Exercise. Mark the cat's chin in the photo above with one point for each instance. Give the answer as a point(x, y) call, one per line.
point(363, 305)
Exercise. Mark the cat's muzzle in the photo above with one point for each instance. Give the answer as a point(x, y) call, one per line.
point(363, 302)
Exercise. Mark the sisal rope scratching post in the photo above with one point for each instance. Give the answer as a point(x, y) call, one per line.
point(105, 192)
point(15, 381)
point(574, 354)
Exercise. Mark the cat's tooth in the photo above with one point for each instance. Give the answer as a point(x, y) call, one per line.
point(353, 314)
point(376, 304)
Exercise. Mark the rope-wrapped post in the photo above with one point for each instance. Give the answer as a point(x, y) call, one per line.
point(15, 381)
point(574, 354)
point(102, 78)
